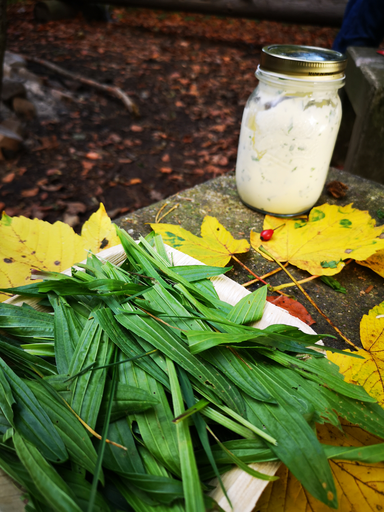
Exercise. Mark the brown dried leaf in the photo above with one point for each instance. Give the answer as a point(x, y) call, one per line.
point(293, 307)
point(337, 189)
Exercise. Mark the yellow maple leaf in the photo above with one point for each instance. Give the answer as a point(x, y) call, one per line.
point(320, 244)
point(359, 485)
point(368, 372)
point(375, 263)
point(215, 247)
point(35, 244)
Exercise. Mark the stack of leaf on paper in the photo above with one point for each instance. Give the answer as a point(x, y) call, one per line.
point(133, 386)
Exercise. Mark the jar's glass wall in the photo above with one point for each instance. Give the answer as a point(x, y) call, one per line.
point(287, 136)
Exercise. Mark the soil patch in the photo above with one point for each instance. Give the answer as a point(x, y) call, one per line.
point(190, 76)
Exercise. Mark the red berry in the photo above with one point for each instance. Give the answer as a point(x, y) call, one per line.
point(266, 234)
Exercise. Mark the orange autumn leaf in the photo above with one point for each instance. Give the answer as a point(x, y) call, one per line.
point(215, 247)
point(35, 244)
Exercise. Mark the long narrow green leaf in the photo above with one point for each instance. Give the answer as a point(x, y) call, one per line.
point(67, 332)
point(5, 425)
point(87, 390)
point(13, 467)
point(127, 400)
point(201, 427)
point(250, 308)
point(71, 431)
point(323, 371)
point(193, 409)
point(23, 359)
point(162, 489)
point(81, 489)
point(101, 450)
point(238, 369)
point(240, 464)
point(247, 450)
point(312, 405)
point(31, 421)
point(367, 454)
point(369, 416)
point(40, 349)
point(116, 459)
point(194, 273)
point(193, 494)
point(155, 425)
point(126, 344)
point(228, 423)
point(164, 340)
point(6, 398)
point(297, 446)
point(45, 478)
point(33, 325)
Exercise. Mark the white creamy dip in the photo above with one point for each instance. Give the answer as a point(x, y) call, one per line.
point(285, 147)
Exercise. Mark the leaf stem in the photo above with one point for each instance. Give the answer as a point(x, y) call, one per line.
point(302, 281)
point(90, 429)
point(269, 274)
point(251, 272)
point(158, 219)
point(261, 249)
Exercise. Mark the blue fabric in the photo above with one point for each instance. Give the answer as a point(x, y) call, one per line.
point(363, 25)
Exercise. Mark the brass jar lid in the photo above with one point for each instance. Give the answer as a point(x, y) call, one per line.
point(305, 62)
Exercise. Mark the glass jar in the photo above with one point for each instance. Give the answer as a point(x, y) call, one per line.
point(289, 129)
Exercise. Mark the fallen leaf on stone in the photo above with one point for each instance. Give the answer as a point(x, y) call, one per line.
point(47, 143)
point(215, 247)
point(133, 181)
point(320, 244)
point(71, 220)
point(165, 158)
point(92, 155)
point(176, 177)
point(219, 127)
point(293, 307)
point(375, 262)
point(359, 485)
point(53, 172)
point(32, 243)
point(8, 178)
point(368, 372)
point(87, 165)
point(337, 189)
point(52, 188)
point(31, 192)
point(75, 208)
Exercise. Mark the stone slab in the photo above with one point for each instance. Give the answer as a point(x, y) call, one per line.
point(365, 90)
point(219, 198)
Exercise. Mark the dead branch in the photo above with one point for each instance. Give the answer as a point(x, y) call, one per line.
point(114, 91)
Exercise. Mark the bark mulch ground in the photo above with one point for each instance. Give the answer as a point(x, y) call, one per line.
point(190, 76)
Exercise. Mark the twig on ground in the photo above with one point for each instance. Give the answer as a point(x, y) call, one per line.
point(302, 281)
point(256, 276)
point(114, 91)
point(269, 274)
point(158, 218)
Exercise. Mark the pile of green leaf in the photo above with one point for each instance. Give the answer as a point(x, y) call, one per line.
point(123, 351)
